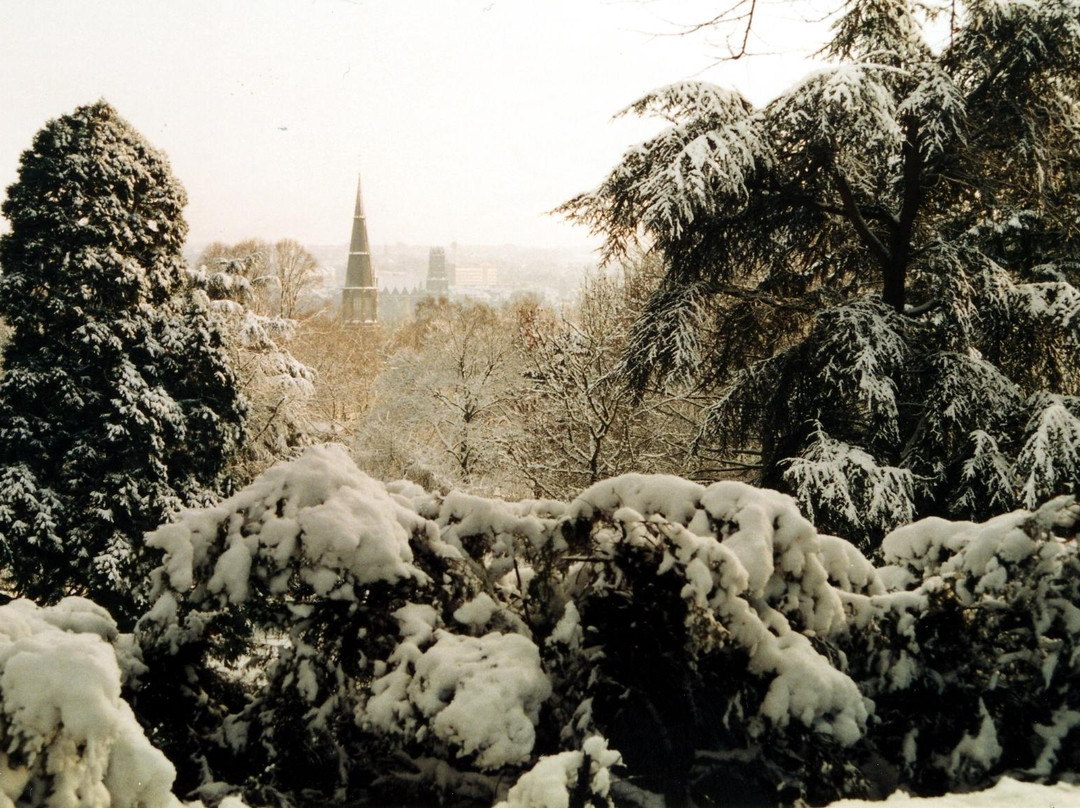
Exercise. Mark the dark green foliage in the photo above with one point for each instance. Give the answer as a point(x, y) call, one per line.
point(877, 271)
point(117, 404)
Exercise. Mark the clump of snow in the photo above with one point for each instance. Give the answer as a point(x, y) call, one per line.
point(675, 499)
point(81, 616)
point(849, 569)
point(980, 750)
point(979, 556)
point(477, 612)
point(463, 515)
point(65, 731)
point(1062, 723)
point(317, 519)
point(924, 544)
point(549, 783)
point(568, 630)
point(478, 696)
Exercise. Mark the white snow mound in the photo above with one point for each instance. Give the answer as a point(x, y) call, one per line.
point(68, 738)
point(479, 695)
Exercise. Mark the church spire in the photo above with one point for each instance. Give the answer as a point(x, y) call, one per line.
point(360, 297)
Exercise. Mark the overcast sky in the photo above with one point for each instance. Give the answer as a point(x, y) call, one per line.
point(467, 119)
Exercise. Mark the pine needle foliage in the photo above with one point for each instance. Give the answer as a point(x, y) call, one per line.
point(878, 271)
point(117, 402)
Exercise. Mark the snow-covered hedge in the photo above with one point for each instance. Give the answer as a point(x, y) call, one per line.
point(321, 631)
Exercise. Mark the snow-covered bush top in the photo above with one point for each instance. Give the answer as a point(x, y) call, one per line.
point(755, 574)
point(980, 556)
point(772, 541)
point(67, 738)
point(317, 517)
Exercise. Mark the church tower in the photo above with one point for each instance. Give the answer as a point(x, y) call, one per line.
point(360, 297)
point(438, 283)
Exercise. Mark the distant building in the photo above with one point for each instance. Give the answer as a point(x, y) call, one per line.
point(397, 304)
point(360, 297)
point(438, 280)
point(400, 304)
point(476, 276)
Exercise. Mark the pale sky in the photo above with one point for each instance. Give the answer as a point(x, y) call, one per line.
point(467, 119)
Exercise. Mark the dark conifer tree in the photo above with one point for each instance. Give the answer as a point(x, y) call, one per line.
point(877, 272)
point(117, 403)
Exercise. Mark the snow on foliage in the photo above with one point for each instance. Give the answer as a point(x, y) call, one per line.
point(678, 176)
point(317, 518)
point(847, 108)
point(350, 580)
point(828, 256)
point(1050, 457)
point(118, 403)
point(274, 381)
point(426, 644)
point(985, 614)
point(66, 736)
point(847, 483)
point(480, 696)
point(752, 566)
point(554, 778)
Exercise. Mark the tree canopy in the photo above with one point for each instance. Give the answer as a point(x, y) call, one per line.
point(117, 403)
point(876, 272)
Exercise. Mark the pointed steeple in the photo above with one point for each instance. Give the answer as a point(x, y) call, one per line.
point(360, 298)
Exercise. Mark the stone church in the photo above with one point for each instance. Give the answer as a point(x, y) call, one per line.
point(361, 301)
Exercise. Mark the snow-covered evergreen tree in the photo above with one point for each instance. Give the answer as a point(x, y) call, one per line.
point(878, 270)
point(117, 403)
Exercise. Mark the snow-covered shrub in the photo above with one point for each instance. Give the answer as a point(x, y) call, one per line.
point(323, 632)
point(67, 737)
point(972, 658)
point(696, 638)
point(319, 623)
point(271, 608)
